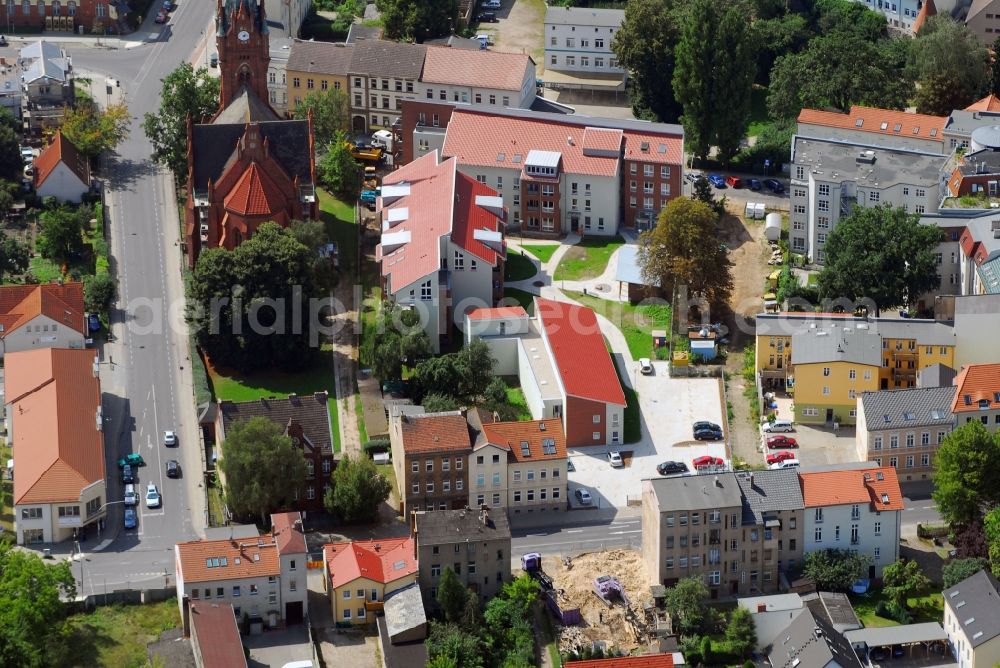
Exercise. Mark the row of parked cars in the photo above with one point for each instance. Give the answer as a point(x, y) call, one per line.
point(719, 181)
point(129, 467)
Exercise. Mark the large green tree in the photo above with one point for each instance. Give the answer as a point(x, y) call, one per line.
point(11, 165)
point(338, 170)
point(185, 92)
point(882, 254)
point(684, 249)
point(418, 20)
point(14, 256)
point(93, 130)
point(399, 340)
point(331, 112)
point(357, 490)
point(61, 236)
point(959, 569)
point(903, 580)
point(965, 480)
point(995, 69)
point(263, 469)
point(741, 632)
point(452, 595)
point(252, 303)
point(835, 570)
point(98, 292)
point(645, 46)
point(449, 645)
point(991, 527)
point(462, 375)
point(947, 51)
point(686, 602)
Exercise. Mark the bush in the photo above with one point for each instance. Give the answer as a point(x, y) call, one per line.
point(894, 611)
point(377, 445)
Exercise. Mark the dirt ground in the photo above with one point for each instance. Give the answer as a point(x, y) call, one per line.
point(576, 581)
point(519, 27)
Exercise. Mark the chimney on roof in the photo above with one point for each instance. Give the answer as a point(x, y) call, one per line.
point(378, 547)
point(496, 416)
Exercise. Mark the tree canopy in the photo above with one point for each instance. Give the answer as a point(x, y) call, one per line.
point(462, 375)
point(262, 467)
point(185, 92)
point(645, 46)
point(741, 631)
point(337, 168)
point(965, 480)
point(686, 602)
point(331, 112)
point(61, 235)
point(882, 254)
point(11, 164)
point(418, 20)
point(357, 490)
point(400, 340)
point(452, 595)
point(902, 580)
point(14, 257)
point(92, 130)
point(950, 64)
point(957, 570)
point(835, 570)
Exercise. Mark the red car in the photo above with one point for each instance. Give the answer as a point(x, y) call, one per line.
point(780, 456)
point(774, 442)
point(706, 461)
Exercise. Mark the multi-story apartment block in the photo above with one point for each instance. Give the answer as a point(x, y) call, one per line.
point(474, 543)
point(360, 575)
point(901, 13)
point(856, 509)
point(971, 621)
point(277, 69)
point(480, 77)
point(578, 47)
point(316, 67)
point(442, 246)
point(736, 531)
point(521, 466)
point(977, 396)
point(904, 428)
point(429, 454)
point(93, 16)
point(563, 366)
point(381, 75)
point(262, 578)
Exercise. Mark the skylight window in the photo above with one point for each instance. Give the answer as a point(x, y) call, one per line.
point(937, 415)
point(525, 449)
point(933, 132)
point(879, 476)
point(885, 125)
point(500, 156)
point(548, 446)
point(908, 416)
point(916, 130)
point(885, 499)
point(897, 127)
point(968, 399)
point(858, 123)
point(662, 148)
point(644, 147)
point(399, 565)
point(887, 419)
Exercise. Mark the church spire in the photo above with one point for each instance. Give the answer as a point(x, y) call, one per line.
point(242, 43)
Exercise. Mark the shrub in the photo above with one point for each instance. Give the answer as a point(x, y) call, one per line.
point(377, 445)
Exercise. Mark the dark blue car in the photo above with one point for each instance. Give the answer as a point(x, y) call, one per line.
point(774, 185)
point(753, 184)
point(130, 518)
point(93, 322)
point(717, 180)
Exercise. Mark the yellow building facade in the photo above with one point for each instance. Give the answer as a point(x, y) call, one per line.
point(316, 67)
point(828, 392)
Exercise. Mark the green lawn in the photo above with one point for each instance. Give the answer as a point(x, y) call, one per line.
point(758, 111)
point(359, 411)
point(216, 508)
point(116, 635)
point(633, 418)
point(587, 259)
point(515, 397)
point(518, 267)
point(929, 608)
point(232, 386)
point(543, 252)
point(525, 299)
point(338, 217)
point(636, 322)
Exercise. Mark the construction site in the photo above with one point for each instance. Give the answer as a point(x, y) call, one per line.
point(601, 599)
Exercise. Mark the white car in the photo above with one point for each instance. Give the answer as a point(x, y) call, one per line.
point(615, 458)
point(645, 366)
point(583, 496)
point(169, 438)
point(152, 496)
point(787, 464)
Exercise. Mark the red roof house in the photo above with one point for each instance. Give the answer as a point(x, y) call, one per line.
point(215, 638)
point(360, 574)
point(50, 315)
point(977, 394)
point(61, 171)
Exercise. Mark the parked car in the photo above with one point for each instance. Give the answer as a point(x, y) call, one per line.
point(128, 477)
point(777, 426)
point(615, 459)
point(152, 496)
point(878, 654)
point(130, 518)
point(898, 652)
point(583, 496)
point(487, 17)
point(753, 184)
point(717, 181)
point(706, 461)
point(779, 456)
point(774, 185)
point(27, 154)
point(131, 498)
point(491, 4)
point(734, 181)
point(693, 176)
point(169, 438)
point(173, 469)
point(169, 6)
point(704, 424)
point(161, 17)
point(667, 468)
point(708, 434)
point(787, 464)
point(93, 322)
point(214, 60)
point(776, 442)
point(645, 366)
point(133, 459)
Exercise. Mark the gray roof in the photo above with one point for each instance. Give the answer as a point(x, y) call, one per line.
point(442, 527)
point(917, 407)
point(897, 635)
point(836, 610)
point(787, 324)
point(54, 69)
point(320, 58)
point(580, 120)
point(768, 492)
point(836, 161)
point(457, 42)
point(40, 49)
point(360, 31)
point(935, 375)
point(628, 266)
point(584, 16)
point(926, 332)
point(810, 642)
point(987, 136)
point(697, 492)
point(311, 412)
point(837, 344)
point(404, 610)
point(962, 122)
point(975, 602)
point(388, 59)
point(246, 107)
point(402, 654)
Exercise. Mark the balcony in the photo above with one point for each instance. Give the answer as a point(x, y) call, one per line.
point(904, 374)
point(904, 355)
point(374, 606)
point(847, 205)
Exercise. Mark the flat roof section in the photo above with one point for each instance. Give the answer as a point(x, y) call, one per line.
point(556, 80)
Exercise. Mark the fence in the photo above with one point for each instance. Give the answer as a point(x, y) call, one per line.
point(127, 597)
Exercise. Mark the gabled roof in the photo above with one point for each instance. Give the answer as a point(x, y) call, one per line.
point(255, 194)
point(435, 432)
point(245, 107)
point(328, 58)
point(977, 385)
point(876, 487)
point(445, 527)
point(900, 409)
point(378, 58)
point(837, 344)
point(311, 412)
point(383, 561)
point(20, 304)
point(989, 103)
point(40, 49)
point(977, 7)
point(810, 642)
point(498, 312)
point(581, 358)
point(878, 121)
point(287, 531)
point(227, 559)
point(530, 441)
point(766, 492)
point(61, 150)
point(477, 69)
point(584, 16)
point(53, 401)
point(975, 602)
point(219, 642)
point(697, 492)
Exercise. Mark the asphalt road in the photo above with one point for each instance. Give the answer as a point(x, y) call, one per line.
point(573, 538)
point(145, 371)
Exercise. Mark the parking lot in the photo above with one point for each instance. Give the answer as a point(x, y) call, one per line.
point(819, 445)
point(668, 406)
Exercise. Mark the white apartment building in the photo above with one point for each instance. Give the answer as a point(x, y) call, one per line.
point(854, 509)
point(277, 69)
point(898, 13)
point(578, 39)
point(971, 621)
point(478, 78)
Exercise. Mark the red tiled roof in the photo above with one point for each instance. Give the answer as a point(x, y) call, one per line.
point(602, 139)
point(382, 561)
point(927, 11)
point(58, 446)
point(581, 358)
point(975, 383)
point(255, 194)
point(478, 68)
point(469, 217)
point(989, 103)
point(230, 559)
point(219, 642)
point(649, 147)
point(20, 304)
point(835, 488)
point(647, 661)
point(498, 312)
point(287, 533)
point(434, 432)
point(512, 434)
point(872, 120)
point(61, 150)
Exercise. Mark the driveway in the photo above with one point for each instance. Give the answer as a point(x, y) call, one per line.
point(276, 648)
point(744, 195)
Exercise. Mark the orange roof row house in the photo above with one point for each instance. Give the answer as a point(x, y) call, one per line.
point(61, 303)
point(532, 440)
point(382, 561)
point(877, 487)
point(61, 171)
point(978, 389)
point(877, 121)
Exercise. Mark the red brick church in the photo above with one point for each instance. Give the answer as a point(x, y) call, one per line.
point(248, 166)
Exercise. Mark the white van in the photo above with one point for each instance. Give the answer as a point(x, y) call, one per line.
point(778, 426)
point(787, 464)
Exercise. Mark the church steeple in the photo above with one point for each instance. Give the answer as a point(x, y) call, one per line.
point(241, 38)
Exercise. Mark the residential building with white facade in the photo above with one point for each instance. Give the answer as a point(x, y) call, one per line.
point(971, 621)
point(898, 13)
point(277, 70)
point(49, 315)
point(479, 78)
point(578, 47)
point(381, 75)
point(857, 508)
point(977, 396)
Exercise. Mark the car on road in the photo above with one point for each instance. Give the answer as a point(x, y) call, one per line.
point(169, 6)
point(707, 461)
point(130, 518)
point(133, 459)
point(668, 468)
point(645, 366)
point(128, 477)
point(214, 60)
point(693, 176)
point(615, 459)
point(161, 17)
point(169, 438)
point(774, 185)
point(131, 498)
point(717, 180)
point(152, 496)
point(708, 434)
point(753, 184)
point(787, 464)
point(734, 182)
point(779, 456)
point(173, 469)
point(583, 496)
point(777, 442)
point(93, 322)
point(487, 17)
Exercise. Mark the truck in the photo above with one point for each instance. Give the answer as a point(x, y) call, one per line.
point(531, 564)
point(387, 141)
point(364, 153)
